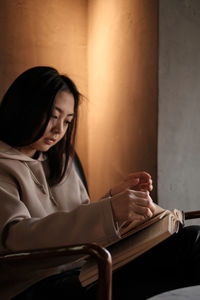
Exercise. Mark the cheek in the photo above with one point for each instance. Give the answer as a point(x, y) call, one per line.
point(63, 133)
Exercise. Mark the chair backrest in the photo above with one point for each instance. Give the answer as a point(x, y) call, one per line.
point(80, 171)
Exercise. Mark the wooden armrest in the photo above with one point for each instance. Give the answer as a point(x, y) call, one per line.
point(100, 254)
point(192, 214)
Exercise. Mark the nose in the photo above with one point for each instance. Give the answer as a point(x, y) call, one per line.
point(58, 128)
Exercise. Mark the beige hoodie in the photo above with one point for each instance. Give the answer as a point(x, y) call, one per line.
point(33, 215)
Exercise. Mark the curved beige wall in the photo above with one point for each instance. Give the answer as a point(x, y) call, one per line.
point(122, 119)
point(53, 33)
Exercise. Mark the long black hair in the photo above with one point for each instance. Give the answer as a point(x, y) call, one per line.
point(25, 111)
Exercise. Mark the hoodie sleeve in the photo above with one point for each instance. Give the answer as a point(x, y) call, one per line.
point(86, 223)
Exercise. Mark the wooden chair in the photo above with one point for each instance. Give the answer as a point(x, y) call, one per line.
point(192, 214)
point(60, 255)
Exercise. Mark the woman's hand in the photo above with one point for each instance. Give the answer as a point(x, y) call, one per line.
point(140, 181)
point(132, 205)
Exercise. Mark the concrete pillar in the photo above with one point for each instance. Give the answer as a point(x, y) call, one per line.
point(179, 105)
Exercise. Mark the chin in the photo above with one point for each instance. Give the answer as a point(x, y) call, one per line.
point(44, 148)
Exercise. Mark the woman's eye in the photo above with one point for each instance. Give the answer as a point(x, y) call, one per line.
point(54, 117)
point(69, 121)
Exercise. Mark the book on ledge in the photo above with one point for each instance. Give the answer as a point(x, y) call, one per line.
point(136, 238)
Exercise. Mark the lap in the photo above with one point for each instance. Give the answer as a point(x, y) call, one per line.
point(60, 286)
point(172, 264)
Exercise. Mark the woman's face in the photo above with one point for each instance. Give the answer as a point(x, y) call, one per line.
point(63, 113)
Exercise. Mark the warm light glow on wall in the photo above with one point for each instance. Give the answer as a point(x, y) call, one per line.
point(122, 120)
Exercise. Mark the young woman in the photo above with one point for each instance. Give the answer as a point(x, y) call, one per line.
point(44, 203)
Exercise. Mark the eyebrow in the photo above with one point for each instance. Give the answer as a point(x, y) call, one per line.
point(61, 111)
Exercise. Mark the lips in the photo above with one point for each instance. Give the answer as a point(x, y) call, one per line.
point(49, 141)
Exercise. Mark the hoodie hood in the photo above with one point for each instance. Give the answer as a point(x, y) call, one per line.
point(8, 152)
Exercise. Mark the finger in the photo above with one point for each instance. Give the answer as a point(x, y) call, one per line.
point(144, 211)
point(140, 194)
point(143, 202)
point(147, 204)
point(133, 182)
point(130, 178)
point(144, 183)
point(143, 176)
point(132, 216)
point(146, 186)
